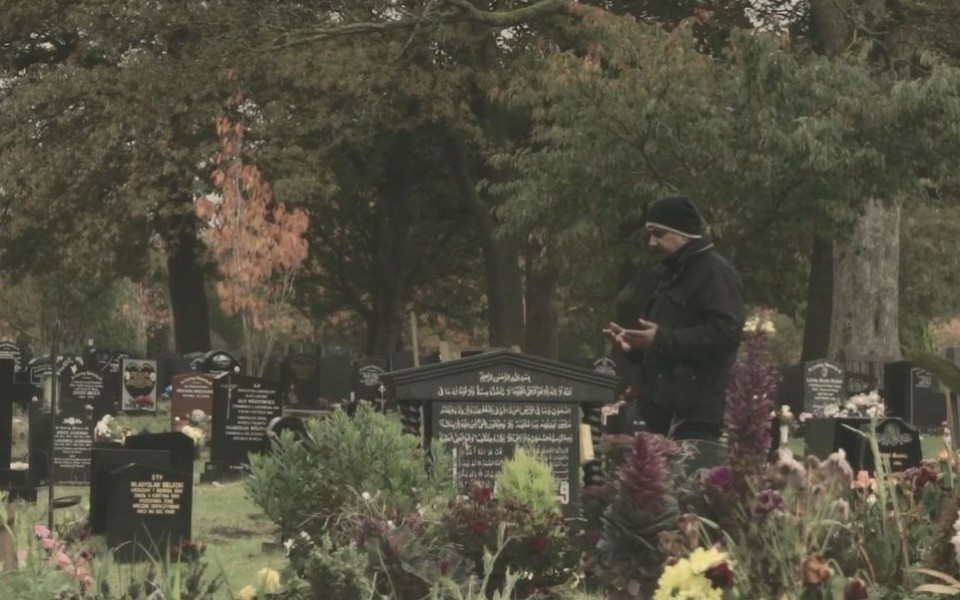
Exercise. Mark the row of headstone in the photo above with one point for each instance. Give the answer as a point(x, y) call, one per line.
point(909, 392)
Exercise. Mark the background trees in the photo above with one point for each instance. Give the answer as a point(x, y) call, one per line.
point(486, 164)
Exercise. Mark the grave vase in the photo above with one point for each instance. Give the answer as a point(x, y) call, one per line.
point(784, 434)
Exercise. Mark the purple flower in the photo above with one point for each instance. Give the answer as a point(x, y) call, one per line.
point(765, 502)
point(643, 474)
point(750, 395)
point(719, 478)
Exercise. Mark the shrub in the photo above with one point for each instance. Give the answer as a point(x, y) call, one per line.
point(304, 482)
point(528, 481)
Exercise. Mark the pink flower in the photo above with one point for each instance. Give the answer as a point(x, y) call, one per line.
point(41, 531)
point(64, 562)
point(48, 543)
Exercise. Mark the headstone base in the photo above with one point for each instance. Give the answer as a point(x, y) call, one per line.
point(220, 472)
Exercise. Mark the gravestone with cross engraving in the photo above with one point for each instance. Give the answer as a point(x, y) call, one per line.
point(243, 407)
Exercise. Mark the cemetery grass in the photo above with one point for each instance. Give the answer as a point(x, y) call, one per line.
point(230, 527)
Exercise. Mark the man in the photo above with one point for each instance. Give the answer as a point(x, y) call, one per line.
point(687, 340)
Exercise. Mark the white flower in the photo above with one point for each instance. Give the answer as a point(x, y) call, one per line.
point(366, 496)
point(804, 416)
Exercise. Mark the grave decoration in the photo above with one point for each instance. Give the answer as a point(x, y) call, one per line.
point(139, 389)
point(484, 406)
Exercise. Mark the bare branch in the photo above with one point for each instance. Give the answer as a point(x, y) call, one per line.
point(449, 11)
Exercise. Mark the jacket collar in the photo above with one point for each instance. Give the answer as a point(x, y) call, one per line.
point(691, 248)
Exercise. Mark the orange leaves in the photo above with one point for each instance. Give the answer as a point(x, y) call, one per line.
point(258, 243)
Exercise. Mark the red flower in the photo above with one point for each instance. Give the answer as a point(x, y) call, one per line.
point(856, 590)
point(537, 543)
point(482, 494)
point(477, 527)
point(720, 575)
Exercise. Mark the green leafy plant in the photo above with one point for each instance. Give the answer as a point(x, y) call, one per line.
point(527, 480)
point(305, 482)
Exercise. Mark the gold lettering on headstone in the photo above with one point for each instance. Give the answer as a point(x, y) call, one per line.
point(156, 497)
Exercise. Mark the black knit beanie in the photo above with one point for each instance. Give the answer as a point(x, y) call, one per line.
point(677, 214)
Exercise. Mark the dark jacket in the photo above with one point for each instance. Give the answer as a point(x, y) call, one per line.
point(699, 310)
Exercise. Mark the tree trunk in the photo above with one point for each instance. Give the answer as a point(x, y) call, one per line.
point(188, 294)
point(542, 307)
point(501, 257)
point(816, 327)
point(866, 271)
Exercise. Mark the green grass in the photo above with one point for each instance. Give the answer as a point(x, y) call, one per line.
point(930, 446)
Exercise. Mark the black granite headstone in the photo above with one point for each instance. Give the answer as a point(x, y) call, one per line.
point(11, 351)
point(899, 443)
point(927, 404)
point(88, 387)
point(824, 436)
point(367, 380)
point(301, 374)
point(243, 407)
point(179, 445)
point(336, 379)
point(219, 361)
point(105, 458)
point(822, 386)
point(150, 512)
point(72, 441)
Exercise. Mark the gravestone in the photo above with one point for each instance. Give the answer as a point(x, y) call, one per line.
point(401, 360)
point(88, 387)
point(822, 386)
point(72, 441)
point(180, 446)
point(194, 360)
point(278, 425)
point(217, 362)
point(301, 374)
point(899, 443)
point(39, 367)
point(336, 380)
point(860, 383)
point(927, 405)
point(824, 436)
point(106, 457)
point(243, 407)
point(139, 389)
point(14, 393)
point(111, 367)
point(367, 382)
point(191, 391)
point(150, 512)
point(11, 351)
point(484, 406)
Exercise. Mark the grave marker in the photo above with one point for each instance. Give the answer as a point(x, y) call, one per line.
point(822, 386)
point(72, 441)
point(191, 391)
point(150, 511)
point(301, 374)
point(367, 381)
point(106, 457)
point(88, 387)
point(243, 407)
point(139, 390)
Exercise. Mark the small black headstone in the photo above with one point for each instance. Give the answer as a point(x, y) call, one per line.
point(822, 386)
point(88, 387)
point(150, 512)
point(367, 382)
point(824, 436)
point(927, 404)
point(301, 374)
point(899, 443)
point(73, 439)
point(106, 458)
point(11, 351)
point(336, 379)
point(194, 360)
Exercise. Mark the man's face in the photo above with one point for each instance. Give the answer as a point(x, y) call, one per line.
point(665, 242)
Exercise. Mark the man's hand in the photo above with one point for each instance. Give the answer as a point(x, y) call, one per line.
point(632, 339)
point(641, 338)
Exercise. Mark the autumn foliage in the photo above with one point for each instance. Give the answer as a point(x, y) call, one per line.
point(259, 244)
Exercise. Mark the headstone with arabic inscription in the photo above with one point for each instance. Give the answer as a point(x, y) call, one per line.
point(484, 406)
point(822, 386)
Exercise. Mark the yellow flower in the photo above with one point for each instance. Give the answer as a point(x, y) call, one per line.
point(247, 593)
point(269, 580)
point(686, 578)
